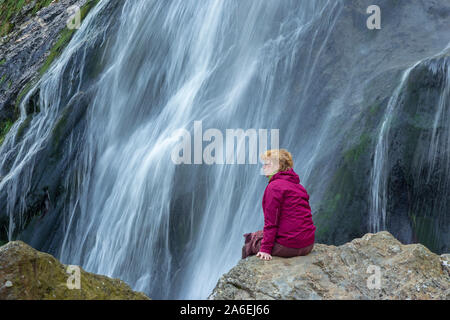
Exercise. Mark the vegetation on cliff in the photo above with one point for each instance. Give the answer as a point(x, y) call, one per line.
point(10, 9)
point(27, 274)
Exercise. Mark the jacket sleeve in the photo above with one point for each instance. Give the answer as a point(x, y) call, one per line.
point(271, 206)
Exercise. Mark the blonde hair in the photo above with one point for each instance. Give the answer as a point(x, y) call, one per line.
point(283, 156)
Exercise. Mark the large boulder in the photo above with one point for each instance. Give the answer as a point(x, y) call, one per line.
point(26, 273)
point(349, 271)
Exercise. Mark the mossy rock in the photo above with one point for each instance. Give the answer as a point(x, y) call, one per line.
point(27, 274)
point(340, 215)
point(4, 129)
point(417, 173)
point(63, 40)
point(65, 37)
point(10, 9)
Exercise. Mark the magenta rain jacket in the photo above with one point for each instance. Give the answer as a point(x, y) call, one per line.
point(287, 214)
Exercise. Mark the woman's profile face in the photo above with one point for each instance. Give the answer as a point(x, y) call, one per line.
point(269, 167)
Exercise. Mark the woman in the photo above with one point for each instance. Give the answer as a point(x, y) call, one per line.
point(288, 226)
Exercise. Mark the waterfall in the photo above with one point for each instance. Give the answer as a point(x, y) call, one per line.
point(32, 132)
point(440, 139)
point(99, 149)
point(436, 154)
point(132, 213)
point(377, 215)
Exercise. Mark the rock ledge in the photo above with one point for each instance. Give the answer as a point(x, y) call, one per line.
point(27, 274)
point(348, 271)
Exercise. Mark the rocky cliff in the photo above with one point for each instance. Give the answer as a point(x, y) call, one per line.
point(335, 83)
point(376, 266)
point(26, 273)
point(33, 34)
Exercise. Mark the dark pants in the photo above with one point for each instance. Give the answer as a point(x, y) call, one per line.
point(253, 244)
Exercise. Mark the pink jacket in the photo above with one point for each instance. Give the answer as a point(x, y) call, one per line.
point(287, 214)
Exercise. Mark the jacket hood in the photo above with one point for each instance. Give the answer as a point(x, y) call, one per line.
point(288, 175)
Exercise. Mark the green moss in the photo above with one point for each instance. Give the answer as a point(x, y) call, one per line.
point(57, 132)
point(336, 204)
point(354, 153)
point(87, 7)
point(23, 126)
point(41, 4)
point(373, 109)
point(2, 79)
point(65, 37)
point(2, 62)
point(4, 129)
point(9, 9)
point(39, 276)
point(21, 95)
point(57, 49)
point(329, 207)
point(340, 215)
point(342, 212)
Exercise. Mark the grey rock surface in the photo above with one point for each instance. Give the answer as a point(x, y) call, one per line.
point(348, 271)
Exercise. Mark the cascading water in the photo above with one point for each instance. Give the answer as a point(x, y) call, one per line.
point(436, 155)
point(172, 63)
point(135, 73)
point(379, 174)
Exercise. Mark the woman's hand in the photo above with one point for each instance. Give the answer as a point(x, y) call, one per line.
point(264, 256)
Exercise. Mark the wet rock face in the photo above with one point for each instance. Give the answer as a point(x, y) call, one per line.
point(23, 51)
point(376, 266)
point(26, 273)
point(25, 48)
point(35, 53)
point(419, 158)
point(418, 177)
